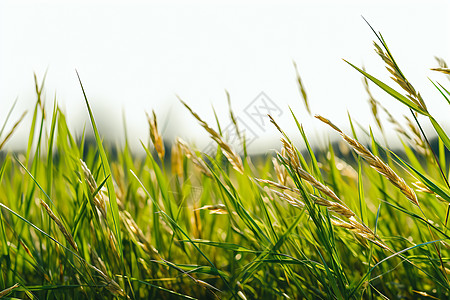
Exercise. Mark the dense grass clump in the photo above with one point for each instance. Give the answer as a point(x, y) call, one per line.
point(77, 222)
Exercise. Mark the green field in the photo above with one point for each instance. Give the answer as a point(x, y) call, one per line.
point(81, 221)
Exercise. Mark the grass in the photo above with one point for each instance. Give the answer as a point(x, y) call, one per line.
point(78, 222)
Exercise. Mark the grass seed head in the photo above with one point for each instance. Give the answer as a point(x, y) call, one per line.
point(442, 70)
point(176, 160)
point(217, 209)
point(233, 158)
point(333, 206)
point(155, 135)
point(302, 89)
point(194, 158)
point(292, 158)
point(8, 290)
point(361, 230)
point(441, 62)
point(134, 230)
point(288, 198)
point(60, 225)
point(100, 199)
point(280, 171)
point(278, 185)
point(399, 78)
point(376, 163)
point(110, 284)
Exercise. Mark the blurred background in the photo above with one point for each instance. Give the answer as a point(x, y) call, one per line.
point(137, 56)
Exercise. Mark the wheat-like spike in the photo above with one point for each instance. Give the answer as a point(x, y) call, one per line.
point(442, 70)
point(376, 163)
point(110, 284)
point(133, 228)
point(233, 158)
point(278, 185)
point(177, 160)
point(194, 158)
point(361, 230)
point(97, 261)
point(280, 171)
point(400, 79)
point(302, 88)
point(218, 209)
point(88, 177)
point(8, 290)
point(60, 225)
point(276, 125)
point(99, 199)
point(291, 156)
point(317, 184)
point(443, 67)
point(353, 225)
point(25, 247)
point(333, 206)
point(420, 187)
point(289, 152)
point(441, 62)
point(291, 200)
point(156, 136)
point(119, 184)
point(356, 227)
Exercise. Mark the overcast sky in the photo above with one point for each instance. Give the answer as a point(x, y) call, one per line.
point(135, 56)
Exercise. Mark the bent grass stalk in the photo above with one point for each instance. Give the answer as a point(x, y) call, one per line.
point(376, 163)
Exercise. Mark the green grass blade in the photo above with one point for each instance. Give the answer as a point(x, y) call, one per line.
point(176, 226)
point(441, 133)
point(114, 219)
point(3, 236)
point(440, 91)
point(391, 91)
point(50, 149)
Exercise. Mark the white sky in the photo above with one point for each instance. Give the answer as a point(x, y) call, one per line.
point(137, 56)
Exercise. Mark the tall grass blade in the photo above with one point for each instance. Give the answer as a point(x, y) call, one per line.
point(114, 219)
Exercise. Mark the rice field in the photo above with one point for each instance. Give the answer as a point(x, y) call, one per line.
point(90, 221)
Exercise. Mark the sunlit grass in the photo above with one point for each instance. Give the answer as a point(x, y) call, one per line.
point(77, 222)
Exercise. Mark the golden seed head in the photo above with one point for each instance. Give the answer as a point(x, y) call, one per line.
point(177, 160)
point(400, 79)
point(376, 163)
point(442, 70)
point(233, 158)
point(155, 136)
point(60, 225)
point(194, 158)
point(101, 197)
point(8, 290)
